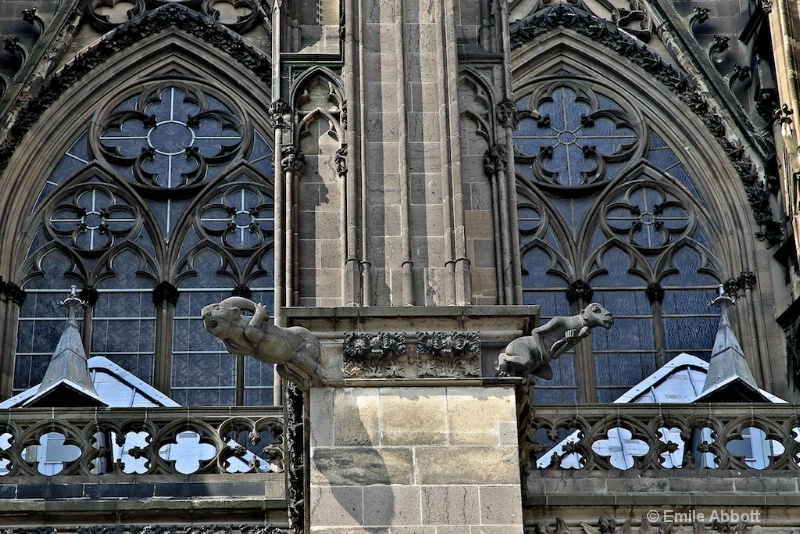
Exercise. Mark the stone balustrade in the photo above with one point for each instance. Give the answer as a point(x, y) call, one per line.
point(79, 441)
point(739, 437)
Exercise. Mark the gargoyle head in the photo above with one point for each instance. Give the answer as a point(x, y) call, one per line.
point(225, 319)
point(596, 315)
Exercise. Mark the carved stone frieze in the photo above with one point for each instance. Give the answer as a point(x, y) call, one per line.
point(434, 355)
point(448, 355)
point(374, 355)
point(608, 34)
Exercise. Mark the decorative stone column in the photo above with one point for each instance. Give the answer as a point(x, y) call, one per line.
point(416, 436)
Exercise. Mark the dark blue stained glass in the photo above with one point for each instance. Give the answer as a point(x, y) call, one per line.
point(552, 303)
point(25, 336)
point(598, 239)
point(626, 334)
point(258, 397)
point(625, 303)
point(617, 264)
point(679, 173)
point(545, 395)
point(535, 266)
point(211, 397)
point(688, 334)
point(551, 239)
point(573, 211)
point(29, 370)
point(688, 262)
point(528, 219)
point(564, 373)
point(662, 158)
point(701, 237)
point(655, 140)
point(265, 167)
point(568, 127)
point(265, 280)
point(609, 395)
point(607, 103)
point(624, 369)
point(689, 301)
point(261, 148)
point(46, 334)
point(257, 374)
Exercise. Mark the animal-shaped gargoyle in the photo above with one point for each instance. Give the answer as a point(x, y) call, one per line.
point(295, 350)
point(532, 354)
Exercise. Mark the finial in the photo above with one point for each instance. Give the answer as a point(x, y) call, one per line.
point(72, 302)
point(733, 289)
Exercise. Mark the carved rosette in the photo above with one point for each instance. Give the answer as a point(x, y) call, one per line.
point(448, 355)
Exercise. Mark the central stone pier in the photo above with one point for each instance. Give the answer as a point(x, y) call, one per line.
point(416, 436)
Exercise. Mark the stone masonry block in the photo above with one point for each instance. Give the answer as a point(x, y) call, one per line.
point(413, 416)
point(356, 417)
point(336, 506)
point(415, 530)
point(361, 466)
point(450, 505)
point(392, 505)
point(467, 465)
point(461, 529)
point(321, 407)
point(381, 11)
point(505, 529)
point(474, 414)
point(501, 505)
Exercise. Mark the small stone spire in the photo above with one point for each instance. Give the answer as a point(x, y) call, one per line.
point(67, 381)
point(729, 378)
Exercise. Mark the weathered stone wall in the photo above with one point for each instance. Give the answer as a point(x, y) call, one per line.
point(428, 460)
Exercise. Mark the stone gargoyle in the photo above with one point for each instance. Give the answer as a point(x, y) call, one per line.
point(532, 354)
point(296, 351)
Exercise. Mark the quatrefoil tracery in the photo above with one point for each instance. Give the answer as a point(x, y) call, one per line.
point(172, 135)
point(571, 137)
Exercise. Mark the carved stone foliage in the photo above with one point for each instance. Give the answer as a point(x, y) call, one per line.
point(434, 355)
point(295, 446)
point(450, 355)
point(608, 34)
point(103, 17)
point(135, 444)
point(373, 355)
point(664, 437)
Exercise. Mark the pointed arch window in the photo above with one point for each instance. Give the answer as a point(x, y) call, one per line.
point(163, 205)
point(607, 212)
